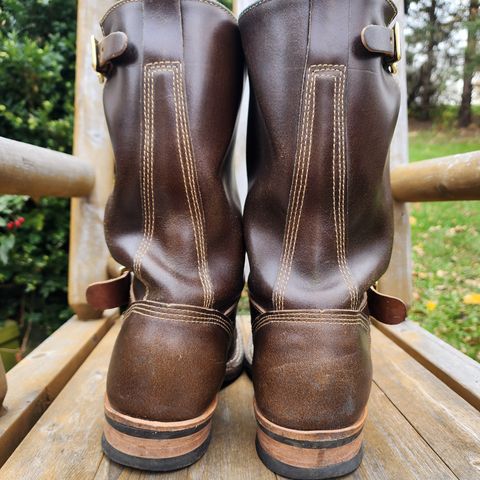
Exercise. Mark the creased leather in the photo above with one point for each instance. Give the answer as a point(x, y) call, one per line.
point(318, 215)
point(171, 101)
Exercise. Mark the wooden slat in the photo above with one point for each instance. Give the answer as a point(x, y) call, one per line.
point(397, 281)
point(88, 251)
point(456, 177)
point(37, 379)
point(3, 384)
point(459, 372)
point(449, 425)
point(65, 443)
point(29, 170)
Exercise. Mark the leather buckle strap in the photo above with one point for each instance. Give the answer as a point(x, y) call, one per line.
point(106, 50)
point(385, 41)
point(110, 293)
point(386, 309)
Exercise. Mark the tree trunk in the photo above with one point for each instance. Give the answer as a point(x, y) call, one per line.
point(465, 112)
point(429, 65)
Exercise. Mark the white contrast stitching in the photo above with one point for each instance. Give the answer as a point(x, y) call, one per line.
point(190, 178)
point(300, 178)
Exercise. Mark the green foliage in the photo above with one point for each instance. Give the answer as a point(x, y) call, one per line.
point(446, 248)
point(37, 72)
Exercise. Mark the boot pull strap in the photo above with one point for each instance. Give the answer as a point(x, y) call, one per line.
point(386, 309)
point(110, 293)
point(385, 41)
point(106, 50)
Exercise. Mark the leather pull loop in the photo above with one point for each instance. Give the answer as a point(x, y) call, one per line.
point(378, 39)
point(108, 49)
point(386, 309)
point(384, 41)
point(110, 293)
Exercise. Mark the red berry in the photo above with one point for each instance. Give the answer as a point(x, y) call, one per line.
point(10, 225)
point(18, 223)
point(21, 219)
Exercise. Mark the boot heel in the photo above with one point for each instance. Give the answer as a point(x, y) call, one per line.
point(306, 454)
point(155, 446)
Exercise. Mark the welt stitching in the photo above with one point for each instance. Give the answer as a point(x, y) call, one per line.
point(197, 201)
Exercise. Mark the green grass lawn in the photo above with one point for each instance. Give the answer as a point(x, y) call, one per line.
point(446, 252)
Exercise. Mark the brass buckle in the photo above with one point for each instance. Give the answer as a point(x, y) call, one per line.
point(94, 49)
point(397, 44)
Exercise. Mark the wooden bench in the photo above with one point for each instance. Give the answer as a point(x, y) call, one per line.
point(423, 423)
point(418, 427)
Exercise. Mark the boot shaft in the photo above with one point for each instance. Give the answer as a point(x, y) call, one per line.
point(318, 216)
point(171, 102)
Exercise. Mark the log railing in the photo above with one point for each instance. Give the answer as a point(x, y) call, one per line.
point(39, 172)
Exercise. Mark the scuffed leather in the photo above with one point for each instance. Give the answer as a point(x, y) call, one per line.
point(312, 371)
point(168, 362)
point(173, 219)
point(318, 215)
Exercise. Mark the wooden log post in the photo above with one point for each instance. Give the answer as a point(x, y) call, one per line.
point(456, 177)
point(39, 172)
point(3, 385)
point(397, 280)
point(88, 251)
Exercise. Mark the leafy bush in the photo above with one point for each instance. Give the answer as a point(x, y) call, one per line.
point(37, 71)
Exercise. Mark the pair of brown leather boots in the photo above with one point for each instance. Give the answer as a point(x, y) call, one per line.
point(317, 224)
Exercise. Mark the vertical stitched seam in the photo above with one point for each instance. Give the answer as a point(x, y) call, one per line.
point(188, 173)
point(306, 146)
point(277, 301)
point(146, 177)
point(196, 199)
point(349, 276)
point(298, 188)
point(182, 155)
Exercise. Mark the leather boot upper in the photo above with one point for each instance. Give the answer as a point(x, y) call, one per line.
point(174, 73)
point(318, 216)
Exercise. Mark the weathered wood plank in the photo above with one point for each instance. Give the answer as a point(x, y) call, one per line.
point(397, 281)
point(88, 251)
point(459, 372)
point(37, 379)
point(65, 443)
point(29, 170)
point(456, 177)
point(449, 425)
